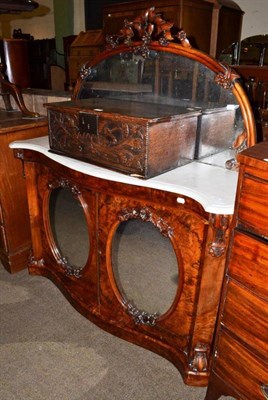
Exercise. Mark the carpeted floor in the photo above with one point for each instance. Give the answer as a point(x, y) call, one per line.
point(49, 351)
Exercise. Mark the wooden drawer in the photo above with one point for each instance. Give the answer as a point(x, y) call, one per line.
point(241, 369)
point(249, 262)
point(246, 318)
point(252, 210)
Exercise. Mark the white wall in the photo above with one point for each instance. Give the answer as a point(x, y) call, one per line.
point(255, 20)
point(40, 22)
point(79, 16)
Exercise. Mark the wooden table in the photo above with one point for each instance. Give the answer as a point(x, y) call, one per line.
point(192, 206)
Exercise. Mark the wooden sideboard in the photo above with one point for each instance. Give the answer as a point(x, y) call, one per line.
point(15, 236)
point(240, 367)
point(188, 212)
point(191, 206)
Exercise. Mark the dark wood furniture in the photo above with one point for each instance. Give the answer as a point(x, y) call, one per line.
point(42, 54)
point(67, 41)
point(250, 59)
point(15, 52)
point(28, 61)
point(240, 367)
point(212, 25)
point(190, 206)
point(184, 332)
point(15, 237)
point(256, 83)
point(82, 49)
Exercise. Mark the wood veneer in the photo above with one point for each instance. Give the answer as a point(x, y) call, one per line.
point(240, 366)
point(15, 235)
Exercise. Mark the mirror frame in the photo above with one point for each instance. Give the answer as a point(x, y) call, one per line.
point(151, 22)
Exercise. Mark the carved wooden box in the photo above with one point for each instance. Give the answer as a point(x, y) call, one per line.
point(132, 137)
point(216, 131)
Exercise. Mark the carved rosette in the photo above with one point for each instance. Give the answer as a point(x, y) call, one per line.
point(199, 362)
point(146, 215)
point(35, 263)
point(148, 27)
point(264, 389)
point(220, 224)
point(64, 183)
point(141, 317)
point(85, 72)
point(227, 77)
point(18, 153)
point(70, 270)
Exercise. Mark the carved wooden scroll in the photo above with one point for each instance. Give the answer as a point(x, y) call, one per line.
point(150, 26)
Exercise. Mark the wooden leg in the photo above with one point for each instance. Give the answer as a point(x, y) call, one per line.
point(13, 90)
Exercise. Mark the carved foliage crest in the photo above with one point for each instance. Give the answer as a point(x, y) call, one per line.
point(146, 215)
point(149, 26)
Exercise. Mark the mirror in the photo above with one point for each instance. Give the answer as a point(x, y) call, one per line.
point(69, 229)
point(250, 51)
point(146, 275)
point(168, 84)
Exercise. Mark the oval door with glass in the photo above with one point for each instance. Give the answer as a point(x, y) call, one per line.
point(146, 275)
point(150, 262)
point(67, 229)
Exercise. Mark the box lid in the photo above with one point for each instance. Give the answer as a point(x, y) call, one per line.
point(147, 111)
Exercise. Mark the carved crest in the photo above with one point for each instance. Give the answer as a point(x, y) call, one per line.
point(146, 215)
point(64, 183)
point(150, 26)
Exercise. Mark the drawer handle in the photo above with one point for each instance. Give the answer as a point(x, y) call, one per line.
point(264, 389)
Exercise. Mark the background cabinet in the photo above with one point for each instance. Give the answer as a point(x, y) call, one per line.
point(84, 48)
point(28, 61)
point(211, 25)
point(240, 367)
point(15, 237)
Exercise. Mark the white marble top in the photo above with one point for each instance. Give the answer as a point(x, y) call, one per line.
point(213, 186)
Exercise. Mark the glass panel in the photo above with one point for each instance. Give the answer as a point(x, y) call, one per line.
point(164, 85)
point(69, 228)
point(250, 51)
point(145, 266)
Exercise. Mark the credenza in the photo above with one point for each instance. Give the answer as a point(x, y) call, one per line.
point(150, 140)
point(190, 206)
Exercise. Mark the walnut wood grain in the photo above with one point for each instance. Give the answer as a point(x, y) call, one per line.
point(183, 334)
point(240, 362)
point(15, 237)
